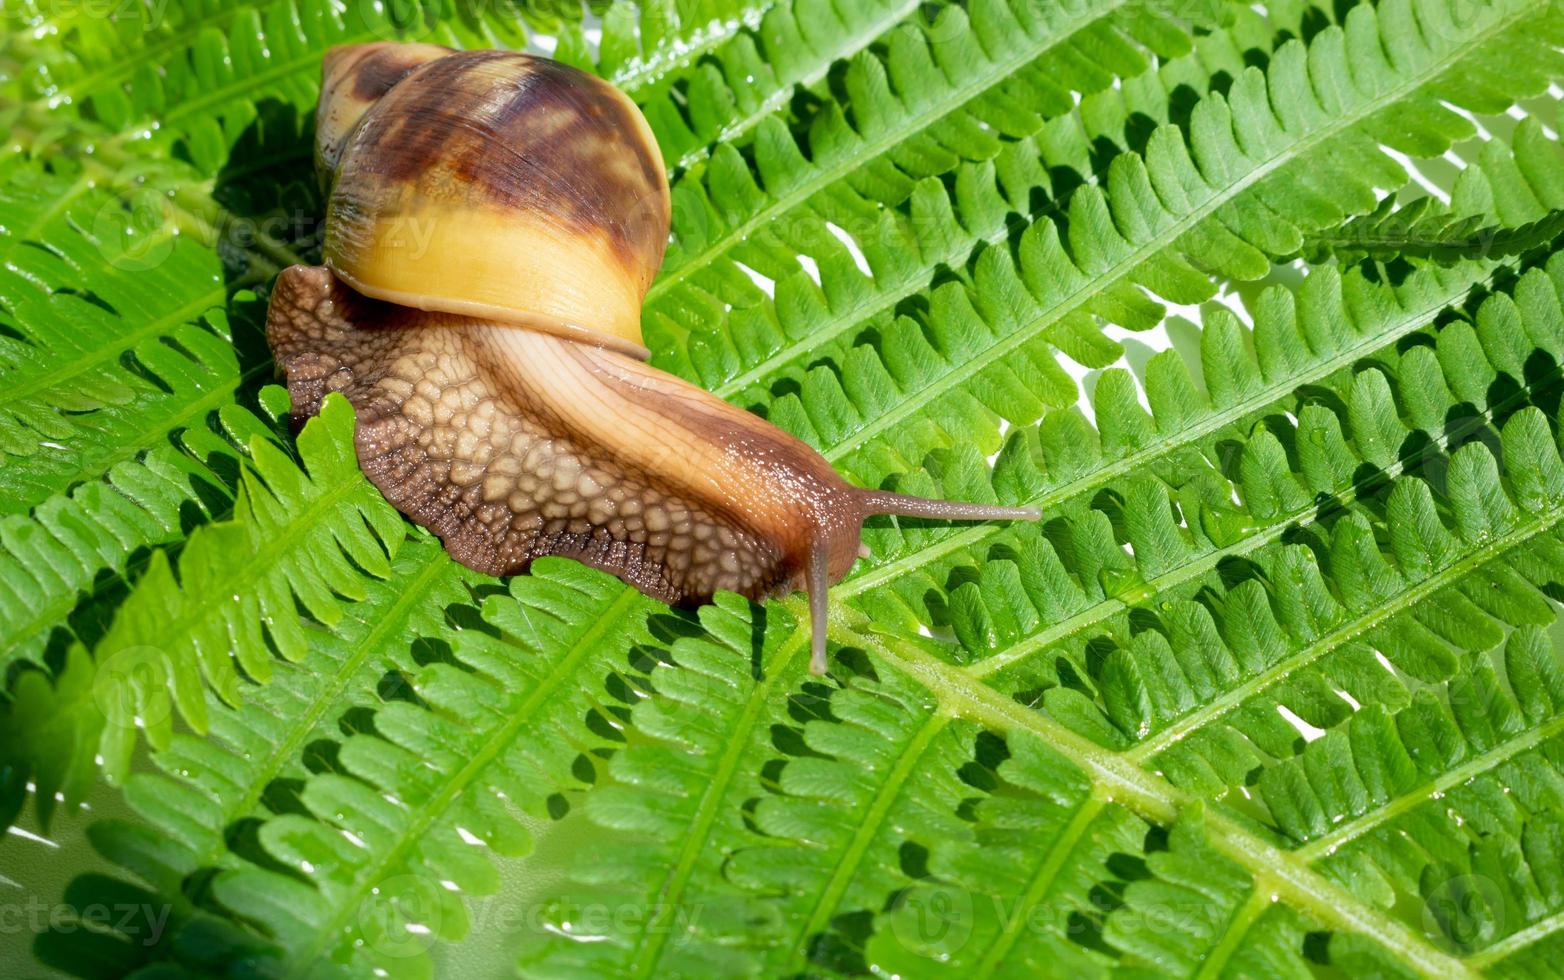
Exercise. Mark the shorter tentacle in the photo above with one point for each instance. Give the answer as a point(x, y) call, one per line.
point(817, 583)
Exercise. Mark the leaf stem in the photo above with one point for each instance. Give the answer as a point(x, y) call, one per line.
point(1155, 799)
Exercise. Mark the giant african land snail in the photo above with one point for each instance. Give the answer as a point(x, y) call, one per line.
point(493, 223)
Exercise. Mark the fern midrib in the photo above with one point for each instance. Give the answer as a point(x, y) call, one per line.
point(12, 393)
point(276, 545)
point(139, 441)
point(1351, 628)
point(1345, 833)
point(125, 64)
point(873, 816)
point(63, 604)
point(1517, 941)
point(253, 84)
point(1166, 445)
point(822, 177)
point(1339, 498)
point(78, 188)
point(1158, 801)
point(852, 42)
point(872, 305)
point(60, 606)
point(1110, 605)
point(1234, 931)
point(1042, 880)
point(425, 815)
point(1100, 283)
point(643, 72)
point(655, 935)
point(324, 694)
point(51, 613)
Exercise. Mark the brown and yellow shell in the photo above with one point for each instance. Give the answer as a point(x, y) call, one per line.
point(492, 184)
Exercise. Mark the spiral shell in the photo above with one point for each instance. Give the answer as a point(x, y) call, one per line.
point(493, 185)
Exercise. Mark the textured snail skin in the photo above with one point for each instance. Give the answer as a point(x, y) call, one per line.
point(509, 427)
point(511, 444)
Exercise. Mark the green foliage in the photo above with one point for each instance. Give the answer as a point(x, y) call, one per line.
point(1423, 230)
point(1275, 688)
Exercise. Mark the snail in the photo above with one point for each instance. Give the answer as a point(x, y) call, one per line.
point(493, 222)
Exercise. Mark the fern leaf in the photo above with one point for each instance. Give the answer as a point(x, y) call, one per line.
point(128, 341)
point(309, 536)
point(1069, 462)
point(1273, 690)
point(511, 691)
point(54, 555)
point(1421, 231)
point(937, 120)
point(1424, 555)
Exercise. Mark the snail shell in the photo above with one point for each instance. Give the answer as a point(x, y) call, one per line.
point(492, 225)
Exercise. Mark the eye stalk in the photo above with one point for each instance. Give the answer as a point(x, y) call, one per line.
point(822, 572)
point(493, 223)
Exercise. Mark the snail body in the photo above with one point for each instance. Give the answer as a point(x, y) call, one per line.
point(493, 222)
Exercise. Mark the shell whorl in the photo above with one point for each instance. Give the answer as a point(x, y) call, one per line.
point(493, 185)
point(352, 79)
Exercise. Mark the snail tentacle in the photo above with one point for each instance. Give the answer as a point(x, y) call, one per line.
point(903, 505)
point(817, 584)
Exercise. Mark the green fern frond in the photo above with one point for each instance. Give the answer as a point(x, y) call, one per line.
point(920, 111)
point(465, 735)
point(705, 98)
point(118, 424)
point(1080, 582)
point(999, 336)
point(1423, 230)
point(1273, 690)
point(1188, 184)
point(200, 69)
point(1019, 889)
point(1201, 421)
point(206, 73)
point(308, 536)
point(54, 555)
point(1302, 607)
point(128, 340)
